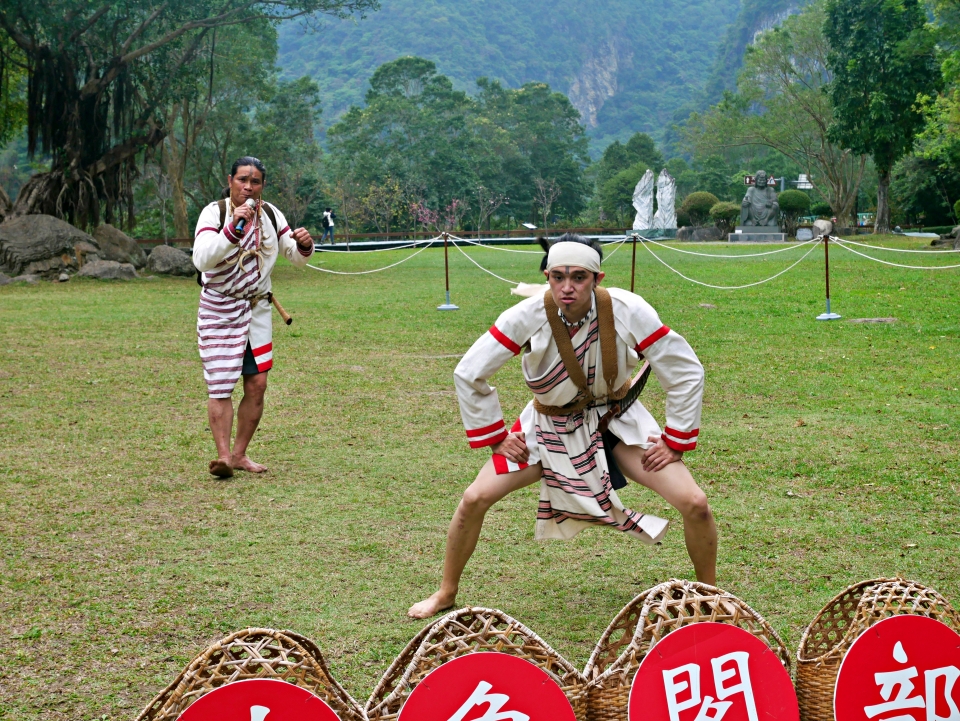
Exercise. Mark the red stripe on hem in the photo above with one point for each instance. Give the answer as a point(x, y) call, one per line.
point(652, 338)
point(680, 434)
point(262, 367)
point(262, 349)
point(678, 446)
point(504, 341)
point(500, 464)
point(489, 441)
point(485, 430)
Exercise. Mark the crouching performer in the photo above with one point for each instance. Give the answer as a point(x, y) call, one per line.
point(237, 243)
point(581, 436)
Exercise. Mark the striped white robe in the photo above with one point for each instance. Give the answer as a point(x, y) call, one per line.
point(227, 318)
point(575, 490)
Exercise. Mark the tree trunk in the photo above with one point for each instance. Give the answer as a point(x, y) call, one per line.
point(176, 169)
point(882, 222)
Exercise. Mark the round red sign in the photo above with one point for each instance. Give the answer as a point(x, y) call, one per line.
point(487, 687)
point(904, 668)
point(259, 700)
point(712, 671)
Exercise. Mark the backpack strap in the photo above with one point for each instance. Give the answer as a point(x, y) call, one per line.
point(564, 344)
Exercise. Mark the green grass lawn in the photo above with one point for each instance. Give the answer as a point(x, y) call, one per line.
point(828, 451)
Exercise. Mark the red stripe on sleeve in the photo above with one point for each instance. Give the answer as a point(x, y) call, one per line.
point(285, 230)
point(232, 234)
point(473, 433)
point(680, 434)
point(305, 252)
point(652, 338)
point(678, 446)
point(504, 341)
point(489, 441)
point(211, 228)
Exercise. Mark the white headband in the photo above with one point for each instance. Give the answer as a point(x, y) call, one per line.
point(568, 253)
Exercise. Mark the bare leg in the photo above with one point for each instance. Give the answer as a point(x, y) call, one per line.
point(220, 417)
point(248, 418)
point(677, 487)
point(487, 489)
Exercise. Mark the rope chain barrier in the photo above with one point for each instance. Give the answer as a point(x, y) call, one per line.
point(812, 243)
point(454, 240)
point(720, 255)
point(842, 244)
point(897, 250)
point(411, 244)
point(375, 270)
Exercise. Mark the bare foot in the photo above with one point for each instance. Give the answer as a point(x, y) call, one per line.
point(221, 468)
point(242, 463)
point(438, 602)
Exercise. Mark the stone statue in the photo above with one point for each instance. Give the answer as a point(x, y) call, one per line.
point(643, 202)
point(666, 216)
point(759, 207)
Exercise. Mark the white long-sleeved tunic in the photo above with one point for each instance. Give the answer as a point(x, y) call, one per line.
point(575, 488)
point(233, 312)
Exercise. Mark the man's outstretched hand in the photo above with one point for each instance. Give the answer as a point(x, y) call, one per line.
point(303, 238)
point(513, 448)
point(659, 456)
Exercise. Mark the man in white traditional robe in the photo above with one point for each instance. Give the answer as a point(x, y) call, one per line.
point(236, 246)
point(559, 439)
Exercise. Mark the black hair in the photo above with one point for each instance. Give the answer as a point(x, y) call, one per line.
point(568, 238)
point(249, 160)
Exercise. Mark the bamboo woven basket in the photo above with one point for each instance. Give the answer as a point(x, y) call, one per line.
point(826, 641)
point(253, 653)
point(470, 630)
point(647, 619)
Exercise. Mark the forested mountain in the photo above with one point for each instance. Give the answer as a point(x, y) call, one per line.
point(754, 17)
point(627, 65)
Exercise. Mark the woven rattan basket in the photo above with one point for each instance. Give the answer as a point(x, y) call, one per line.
point(469, 630)
point(253, 653)
point(840, 623)
point(647, 619)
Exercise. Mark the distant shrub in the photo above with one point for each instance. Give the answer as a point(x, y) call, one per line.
point(793, 204)
point(697, 206)
point(940, 229)
point(821, 209)
point(725, 215)
point(683, 218)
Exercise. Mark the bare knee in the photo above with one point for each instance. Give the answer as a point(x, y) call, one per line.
point(475, 501)
point(696, 508)
point(255, 386)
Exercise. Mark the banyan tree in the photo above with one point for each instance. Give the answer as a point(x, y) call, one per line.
point(99, 76)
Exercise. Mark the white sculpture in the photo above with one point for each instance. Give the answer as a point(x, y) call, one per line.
point(643, 202)
point(666, 216)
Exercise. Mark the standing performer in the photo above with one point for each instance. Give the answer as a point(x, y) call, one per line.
point(237, 243)
point(582, 344)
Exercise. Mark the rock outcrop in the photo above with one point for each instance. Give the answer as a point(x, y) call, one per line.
point(117, 245)
point(43, 245)
point(108, 270)
point(701, 233)
point(167, 260)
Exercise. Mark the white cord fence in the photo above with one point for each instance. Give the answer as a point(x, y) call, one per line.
point(647, 243)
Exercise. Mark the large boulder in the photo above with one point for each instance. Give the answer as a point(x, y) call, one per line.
point(699, 233)
point(108, 270)
point(167, 260)
point(117, 245)
point(5, 279)
point(42, 245)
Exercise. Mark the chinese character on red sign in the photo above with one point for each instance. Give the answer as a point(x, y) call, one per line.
point(259, 700)
point(487, 687)
point(709, 672)
point(903, 668)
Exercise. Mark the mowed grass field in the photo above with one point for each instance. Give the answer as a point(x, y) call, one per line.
point(828, 451)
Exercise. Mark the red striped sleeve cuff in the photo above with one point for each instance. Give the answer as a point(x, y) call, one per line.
point(305, 252)
point(680, 440)
point(504, 341)
point(488, 435)
point(231, 234)
point(651, 339)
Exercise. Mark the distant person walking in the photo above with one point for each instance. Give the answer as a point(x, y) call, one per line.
point(327, 223)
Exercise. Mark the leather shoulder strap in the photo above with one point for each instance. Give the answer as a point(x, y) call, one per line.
point(222, 204)
point(608, 337)
point(564, 345)
point(269, 210)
